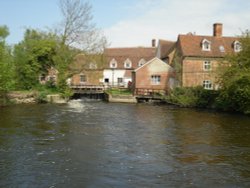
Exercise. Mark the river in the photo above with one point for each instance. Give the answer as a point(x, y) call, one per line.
point(94, 144)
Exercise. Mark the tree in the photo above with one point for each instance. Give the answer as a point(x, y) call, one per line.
point(6, 65)
point(235, 81)
point(33, 56)
point(77, 29)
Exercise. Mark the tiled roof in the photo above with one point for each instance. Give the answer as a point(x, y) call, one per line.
point(191, 45)
point(133, 54)
point(165, 47)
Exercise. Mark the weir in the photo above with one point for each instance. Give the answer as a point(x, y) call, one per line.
point(87, 89)
point(95, 96)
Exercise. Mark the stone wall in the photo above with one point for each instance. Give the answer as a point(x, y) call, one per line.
point(120, 98)
point(22, 97)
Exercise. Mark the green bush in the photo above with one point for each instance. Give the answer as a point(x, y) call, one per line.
point(183, 96)
point(235, 96)
point(193, 97)
point(42, 97)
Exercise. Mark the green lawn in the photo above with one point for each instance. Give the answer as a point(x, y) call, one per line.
point(117, 91)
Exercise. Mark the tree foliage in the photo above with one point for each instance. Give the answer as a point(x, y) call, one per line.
point(235, 81)
point(33, 56)
point(6, 66)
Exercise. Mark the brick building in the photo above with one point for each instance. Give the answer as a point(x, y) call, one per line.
point(152, 77)
point(197, 58)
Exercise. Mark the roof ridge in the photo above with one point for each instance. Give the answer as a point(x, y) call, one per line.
point(210, 36)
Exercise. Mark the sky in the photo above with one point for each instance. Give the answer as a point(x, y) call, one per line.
point(131, 23)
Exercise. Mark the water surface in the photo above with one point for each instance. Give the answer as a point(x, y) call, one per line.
point(97, 144)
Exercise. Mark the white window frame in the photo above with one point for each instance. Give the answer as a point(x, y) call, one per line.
point(127, 64)
point(222, 48)
point(141, 62)
point(120, 80)
point(207, 65)
point(207, 84)
point(206, 45)
point(237, 46)
point(155, 79)
point(113, 64)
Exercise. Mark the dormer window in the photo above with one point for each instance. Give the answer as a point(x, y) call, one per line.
point(206, 45)
point(127, 64)
point(113, 63)
point(237, 46)
point(221, 48)
point(141, 62)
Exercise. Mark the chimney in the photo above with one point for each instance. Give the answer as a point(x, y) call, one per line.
point(153, 42)
point(217, 30)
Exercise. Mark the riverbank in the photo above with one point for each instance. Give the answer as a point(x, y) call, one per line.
point(22, 97)
point(197, 97)
point(30, 97)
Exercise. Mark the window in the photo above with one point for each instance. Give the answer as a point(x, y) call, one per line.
point(127, 63)
point(113, 63)
point(206, 45)
point(207, 84)
point(141, 62)
point(106, 80)
point(155, 79)
point(221, 48)
point(82, 78)
point(120, 80)
point(237, 46)
point(207, 65)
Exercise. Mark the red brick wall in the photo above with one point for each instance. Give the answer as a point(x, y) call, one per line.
point(143, 76)
point(193, 73)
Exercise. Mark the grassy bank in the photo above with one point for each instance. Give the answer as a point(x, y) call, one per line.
point(35, 95)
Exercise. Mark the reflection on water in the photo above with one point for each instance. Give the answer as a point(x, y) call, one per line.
point(96, 144)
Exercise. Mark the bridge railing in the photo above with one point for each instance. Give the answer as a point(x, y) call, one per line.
point(91, 89)
point(87, 86)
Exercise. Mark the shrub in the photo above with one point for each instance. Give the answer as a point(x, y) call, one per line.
point(193, 97)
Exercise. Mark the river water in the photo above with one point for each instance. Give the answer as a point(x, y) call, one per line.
point(97, 145)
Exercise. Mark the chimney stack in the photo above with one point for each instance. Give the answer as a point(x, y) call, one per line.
point(153, 42)
point(217, 30)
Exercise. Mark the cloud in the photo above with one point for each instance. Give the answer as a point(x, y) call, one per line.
point(165, 19)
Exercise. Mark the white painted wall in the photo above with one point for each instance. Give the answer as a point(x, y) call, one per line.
point(113, 76)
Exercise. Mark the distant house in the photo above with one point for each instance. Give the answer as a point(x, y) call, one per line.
point(120, 62)
point(87, 70)
point(152, 77)
point(50, 76)
point(198, 57)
